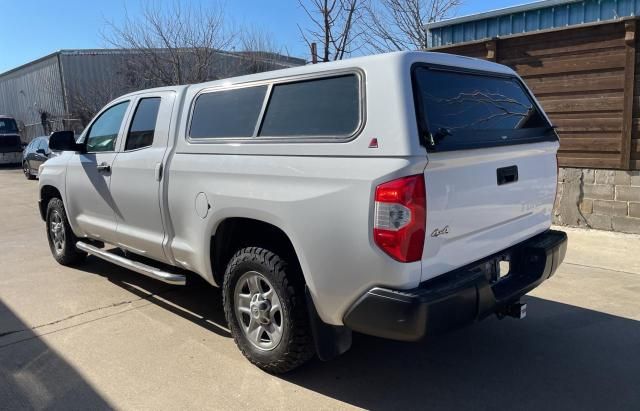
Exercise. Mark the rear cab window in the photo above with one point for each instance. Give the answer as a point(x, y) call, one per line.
point(463, 110)
point(326, 107)
point(143, 125)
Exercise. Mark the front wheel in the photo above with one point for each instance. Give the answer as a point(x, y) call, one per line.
point(27, 171)
point(266, 312)
point(62, 241)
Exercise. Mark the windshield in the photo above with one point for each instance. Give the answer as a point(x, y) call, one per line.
point(464, 110)
point(8, 125)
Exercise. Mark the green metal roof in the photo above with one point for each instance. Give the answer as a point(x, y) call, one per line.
point(531, 17)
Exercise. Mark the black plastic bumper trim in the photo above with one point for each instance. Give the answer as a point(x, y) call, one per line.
point(459, 297)
point(330, 340)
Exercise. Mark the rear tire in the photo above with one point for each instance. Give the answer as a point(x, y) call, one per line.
point(62, 241)
point(27, 171)
point(265, 308)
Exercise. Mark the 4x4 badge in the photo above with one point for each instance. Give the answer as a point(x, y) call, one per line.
point(438, 232)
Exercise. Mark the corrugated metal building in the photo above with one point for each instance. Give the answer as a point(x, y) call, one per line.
point(540, 15)
point(47, 94)
point(30, 89)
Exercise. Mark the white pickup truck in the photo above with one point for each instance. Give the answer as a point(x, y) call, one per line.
point(397, 195)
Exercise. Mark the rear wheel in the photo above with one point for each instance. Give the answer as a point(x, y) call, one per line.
point(27, 171)
point(62, 241)
point(265, 308)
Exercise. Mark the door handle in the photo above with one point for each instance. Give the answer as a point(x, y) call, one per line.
point(104, 167)
point(507, 175)
point(158, 172)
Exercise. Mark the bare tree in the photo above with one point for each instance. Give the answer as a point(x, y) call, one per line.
point(334, 26)
point(177, 44)
point(116, 74)
point(394, 25)
point(85, 105)
point(259, 51)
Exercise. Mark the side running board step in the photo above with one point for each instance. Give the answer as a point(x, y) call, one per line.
point(144, 269)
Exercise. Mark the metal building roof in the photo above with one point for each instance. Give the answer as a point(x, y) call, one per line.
point(284, 61)
point(539, 15)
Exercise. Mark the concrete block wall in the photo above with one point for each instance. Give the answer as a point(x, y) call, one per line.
point(599, 199)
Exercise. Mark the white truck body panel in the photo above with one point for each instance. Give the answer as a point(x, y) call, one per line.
point(10, 158)
point(483, 217)
point(89, 204)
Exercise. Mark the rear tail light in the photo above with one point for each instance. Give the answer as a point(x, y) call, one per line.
point(400, 218)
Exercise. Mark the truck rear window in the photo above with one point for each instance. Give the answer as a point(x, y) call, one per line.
point(313, 108)
point(460, 110)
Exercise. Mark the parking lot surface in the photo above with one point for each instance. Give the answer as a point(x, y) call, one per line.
point(100, 337)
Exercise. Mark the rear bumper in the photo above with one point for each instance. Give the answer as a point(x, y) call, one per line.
point(11, 157)
point(459, 297)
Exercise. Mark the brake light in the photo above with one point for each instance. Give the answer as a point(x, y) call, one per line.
point(400, 218)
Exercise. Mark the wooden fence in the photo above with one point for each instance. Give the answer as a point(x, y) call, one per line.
point(585, 77)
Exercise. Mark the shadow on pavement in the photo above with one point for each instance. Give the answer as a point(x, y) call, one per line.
point(559, 357)
point(34, 376)
point(198, 302)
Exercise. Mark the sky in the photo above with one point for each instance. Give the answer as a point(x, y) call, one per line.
point(34, 28)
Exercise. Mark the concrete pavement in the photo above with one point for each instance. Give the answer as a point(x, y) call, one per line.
point(101, 337)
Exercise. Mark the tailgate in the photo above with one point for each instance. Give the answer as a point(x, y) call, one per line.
point(471, 214)
point(492, 171)
point(10, 143)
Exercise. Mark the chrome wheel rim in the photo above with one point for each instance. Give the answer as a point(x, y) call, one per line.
point(56, 231)
point(25, 169)
point(258, 311)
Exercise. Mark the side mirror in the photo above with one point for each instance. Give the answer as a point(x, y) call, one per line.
point(64, 141)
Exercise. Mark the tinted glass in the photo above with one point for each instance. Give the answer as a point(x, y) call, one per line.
point(34, 144)
point(43, 145)
point(8, 125)
point(231, 113)
point(104, 131)
point(323, 107)
point(143, 125)
point(461, 106)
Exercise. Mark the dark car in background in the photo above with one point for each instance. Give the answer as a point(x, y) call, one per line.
point(10, 143)
point(36, 153)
